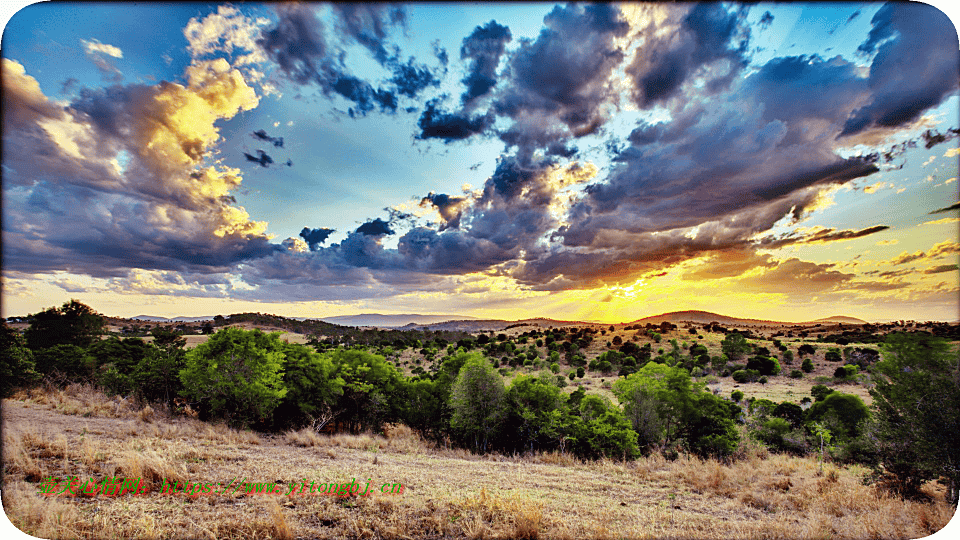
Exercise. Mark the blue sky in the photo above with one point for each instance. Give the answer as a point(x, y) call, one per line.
point(601, 162)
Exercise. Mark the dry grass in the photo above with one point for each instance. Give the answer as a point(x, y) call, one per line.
point(448, 493)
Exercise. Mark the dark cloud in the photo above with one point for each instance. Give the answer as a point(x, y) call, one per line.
point(262, 158)
point(450, 127)
point(315, 237)
point(302, 52)
point(364, 95)
point(483, 48)
point(262, 135)
point(369, 25)
point(951, 208)
point(450, 208)
point(411, 78)
point(766, 20)
point(915, 67)
point(939, 269)
point(820, 236)
point(376, 227)
point(707, 34)
point(559, 82)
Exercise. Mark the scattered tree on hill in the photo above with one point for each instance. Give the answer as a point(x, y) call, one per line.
point(734, 345)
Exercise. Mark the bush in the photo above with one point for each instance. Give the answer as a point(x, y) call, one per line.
point(746, 375)
point(764, 365)
point(845, 372)
point(807, 366)
point(819, 392)
point(736, 396)
point(796, 374)
point(833, 355)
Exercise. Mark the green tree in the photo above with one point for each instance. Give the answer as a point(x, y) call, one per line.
point(372, 389)
point(843, 413)
point(915, 402)
point(807, 365)
point(734, 345)
point(531, 403)
point(73, 323)
point(236, 375)
point(17, 368)
point(477, 402)
point(312, 388)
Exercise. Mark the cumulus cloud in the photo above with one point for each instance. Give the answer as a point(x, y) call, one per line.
point(301, 48)
point(902, 83)
point(119, 178)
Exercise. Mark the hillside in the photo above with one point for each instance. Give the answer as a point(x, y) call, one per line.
point(706, 317)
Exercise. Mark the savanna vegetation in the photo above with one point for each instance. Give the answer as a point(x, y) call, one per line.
point(521, 395)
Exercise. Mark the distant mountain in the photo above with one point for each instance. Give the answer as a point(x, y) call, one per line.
point(153, 318)
point(496, 325)
point(841, 319)
point(705, 317)
point(390, 321)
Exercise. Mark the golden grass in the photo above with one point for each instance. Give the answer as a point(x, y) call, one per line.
point(448, 493)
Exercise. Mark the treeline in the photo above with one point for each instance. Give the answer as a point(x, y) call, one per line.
point(254, 379)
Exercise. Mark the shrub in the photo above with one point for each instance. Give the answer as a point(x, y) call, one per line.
point(807, 366)
point(746, 375)
point(764, 365)
point(819, 392)
point(736, 396)
point(796, 374)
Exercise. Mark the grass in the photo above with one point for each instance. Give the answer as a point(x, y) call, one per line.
point(448, 493)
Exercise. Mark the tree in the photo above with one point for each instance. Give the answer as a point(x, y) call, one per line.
point(807, 365)
point(16, 362)
point(477, 399)
point(531, 403)
point(71, 324)
point(734, 345)
point(236, 375)
point(915, 403)
point(312, 387)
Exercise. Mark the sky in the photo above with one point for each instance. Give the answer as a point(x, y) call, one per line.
point(574, 161)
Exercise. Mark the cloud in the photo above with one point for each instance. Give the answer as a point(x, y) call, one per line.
point(450, 208)
point(820, 236)
point(795, 275)
point(450, 127)
point(939, 269)
point(262, 135)
point(97, 53)
point(120, 179)
point(730, 263)
point(262, 158)
point(299, 46)
point(315, 237)
point(951, 208)
point(943, 221)
point(483, 47)
point(377, 227)
point(947, 247)
point(708, 33)
point(914, 68)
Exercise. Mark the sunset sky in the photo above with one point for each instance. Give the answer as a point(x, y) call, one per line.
point(582, 162)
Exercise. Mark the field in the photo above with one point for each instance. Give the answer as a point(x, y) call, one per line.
point(447, 492)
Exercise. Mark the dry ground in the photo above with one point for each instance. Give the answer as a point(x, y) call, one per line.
point(448, 493)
